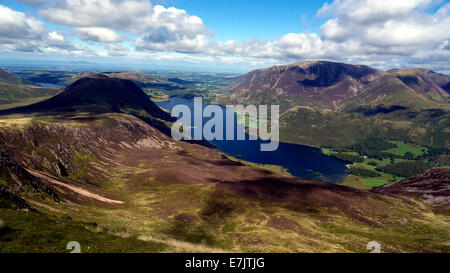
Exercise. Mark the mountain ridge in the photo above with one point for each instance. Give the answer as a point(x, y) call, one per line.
point(327, 85)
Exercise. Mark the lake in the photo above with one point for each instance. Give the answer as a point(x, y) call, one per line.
point(50, 85)
point(299, 160)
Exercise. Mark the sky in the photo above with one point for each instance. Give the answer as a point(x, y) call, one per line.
point(226, 35)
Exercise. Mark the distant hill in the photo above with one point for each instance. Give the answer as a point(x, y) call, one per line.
point(14, 93)
point(142, 80)
point(334, 104)
point(7, 77)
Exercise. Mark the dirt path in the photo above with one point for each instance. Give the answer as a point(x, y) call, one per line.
point(73, 188)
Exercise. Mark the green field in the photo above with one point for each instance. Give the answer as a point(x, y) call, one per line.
point(369, 163)
point(403, 148)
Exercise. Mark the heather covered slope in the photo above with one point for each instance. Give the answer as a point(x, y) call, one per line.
point(118, 177)
point(316, 84)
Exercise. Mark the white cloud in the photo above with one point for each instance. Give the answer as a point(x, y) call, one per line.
point(55, 36)
point(375, 32)
point(98, 34)
point(132, 16)
point(371, 11)
point(385, 23)
point(387, 30)
point(158, 28)
point(18, 31)
point(16, 25)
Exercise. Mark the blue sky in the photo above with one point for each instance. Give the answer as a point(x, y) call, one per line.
point(245, 19)
point(227, 35)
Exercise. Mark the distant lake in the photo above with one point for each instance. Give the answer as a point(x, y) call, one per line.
point(297, 159)
point(50, 85)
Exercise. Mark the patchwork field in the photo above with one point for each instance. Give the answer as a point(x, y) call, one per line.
point(408, 153)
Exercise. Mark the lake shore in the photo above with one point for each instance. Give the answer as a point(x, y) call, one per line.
point(299, 160)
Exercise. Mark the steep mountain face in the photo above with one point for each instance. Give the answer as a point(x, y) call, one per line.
point(408, 88)
point(334, 86)
point(97, 93)
point(423, 81)
point(10, 197)
point(319, 84)
point(332, 104)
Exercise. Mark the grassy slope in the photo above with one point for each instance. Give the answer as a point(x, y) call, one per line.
point(143, 225)
point(33, 232)
point(273, 168)
point(306, 126)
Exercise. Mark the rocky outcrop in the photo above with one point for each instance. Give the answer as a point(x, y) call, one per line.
point(15, 182)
